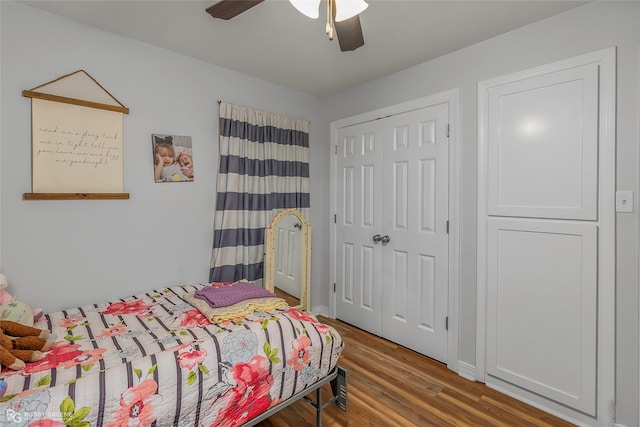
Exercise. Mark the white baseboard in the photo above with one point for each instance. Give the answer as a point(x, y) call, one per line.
point(466, 370)
point(321, 310)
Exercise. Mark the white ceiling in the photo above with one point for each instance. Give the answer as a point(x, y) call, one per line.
point(274, 42)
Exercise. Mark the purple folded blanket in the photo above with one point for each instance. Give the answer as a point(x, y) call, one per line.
point(223, 296)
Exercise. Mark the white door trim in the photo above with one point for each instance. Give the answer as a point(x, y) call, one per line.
point(606, 59)
point(452, 98)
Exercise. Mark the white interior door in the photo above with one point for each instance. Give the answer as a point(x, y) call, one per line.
point(287, 262)
point(415, 212)
point(540, 232)
point(392, 243)
point(359, 218)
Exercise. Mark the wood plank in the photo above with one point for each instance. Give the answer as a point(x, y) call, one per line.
point(74, 101)
point(389, 385)
point(74, 196)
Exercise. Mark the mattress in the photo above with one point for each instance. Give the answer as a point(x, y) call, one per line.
point(154, 359)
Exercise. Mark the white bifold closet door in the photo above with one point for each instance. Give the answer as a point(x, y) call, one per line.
point(391, 228)
point(542, 234)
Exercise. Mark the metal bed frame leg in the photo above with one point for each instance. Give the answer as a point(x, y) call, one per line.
point(339, 391)
point(319, 409)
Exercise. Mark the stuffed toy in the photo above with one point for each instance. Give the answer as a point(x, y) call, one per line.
point(25, 347)
point(12, 309)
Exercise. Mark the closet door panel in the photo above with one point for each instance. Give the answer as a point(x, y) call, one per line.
point(415, 214)
point(358, 219)
point(542, 307)
point(543, 156)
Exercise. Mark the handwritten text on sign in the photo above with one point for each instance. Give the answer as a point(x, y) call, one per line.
point(79, 148)
point(76, 149)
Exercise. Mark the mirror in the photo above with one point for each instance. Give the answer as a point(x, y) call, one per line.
point(287, 258)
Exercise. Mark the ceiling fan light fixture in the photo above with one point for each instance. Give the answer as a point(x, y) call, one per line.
point(346, 9)
point(310, 8)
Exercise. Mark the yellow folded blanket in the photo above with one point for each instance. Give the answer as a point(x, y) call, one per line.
point(235, 311)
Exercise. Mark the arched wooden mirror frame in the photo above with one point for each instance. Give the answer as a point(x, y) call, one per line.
point(305, 255)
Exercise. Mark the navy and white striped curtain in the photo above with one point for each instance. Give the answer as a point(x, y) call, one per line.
point(264, 168)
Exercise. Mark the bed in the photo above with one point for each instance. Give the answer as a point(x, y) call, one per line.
point(155, 359)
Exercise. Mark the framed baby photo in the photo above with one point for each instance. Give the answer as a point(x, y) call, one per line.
point(172, 158)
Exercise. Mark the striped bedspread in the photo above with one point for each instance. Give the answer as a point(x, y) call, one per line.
point(154, 358)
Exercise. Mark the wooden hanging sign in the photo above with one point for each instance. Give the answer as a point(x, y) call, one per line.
point(77, 144)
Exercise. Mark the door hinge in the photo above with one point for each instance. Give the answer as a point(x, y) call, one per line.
point(447, 226)
point(447, 133)
point(446, 323)
point(334, 288)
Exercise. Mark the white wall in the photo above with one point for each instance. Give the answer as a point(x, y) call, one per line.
point(588, 28)
point(59, 254)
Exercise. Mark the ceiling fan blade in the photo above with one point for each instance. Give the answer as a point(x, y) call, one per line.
point(227, 9)
point(349, 34)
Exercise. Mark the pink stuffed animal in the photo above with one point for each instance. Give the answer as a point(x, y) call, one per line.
point(12, 309)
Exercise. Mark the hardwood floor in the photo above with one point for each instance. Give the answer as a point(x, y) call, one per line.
point(389, 385)
point(290, 299)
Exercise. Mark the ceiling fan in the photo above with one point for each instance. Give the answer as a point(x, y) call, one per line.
point(342, 16)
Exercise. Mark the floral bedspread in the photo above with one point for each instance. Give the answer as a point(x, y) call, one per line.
point(154, 358)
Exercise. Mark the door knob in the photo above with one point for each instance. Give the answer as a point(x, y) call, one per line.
point(385, 239)
point(377, 238)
